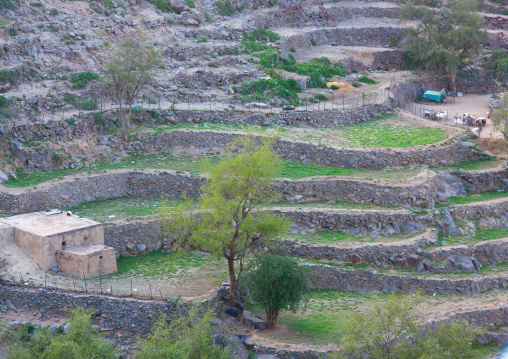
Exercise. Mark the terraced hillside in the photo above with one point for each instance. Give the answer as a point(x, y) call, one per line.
point(382, 201)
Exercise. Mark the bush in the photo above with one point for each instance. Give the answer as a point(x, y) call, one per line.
point(265, 89)
point(182, 57)
point(202, 38)
point(88, 104)
point(81, 79)
point(292, 49)
point(190, 4)
point(187, 337)
point(9, 75)
point(276, 283)
point(356, 84)
point(171, 20)
point(225, 8)
point(334, 87)
point(4, 102)
point(13, 31)
point(394, 42)
point(213, 64)
point(313, 43)
point(208, 17)
point(80, 341)
point(253, 46)
point(54, 11)
point(7, 4)
point(367, 80)
point(260, 34)
point(162, 5)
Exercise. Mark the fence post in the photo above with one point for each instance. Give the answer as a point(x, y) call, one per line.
point(86, 287)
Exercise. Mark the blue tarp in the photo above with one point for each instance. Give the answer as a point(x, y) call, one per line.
point(434, 95)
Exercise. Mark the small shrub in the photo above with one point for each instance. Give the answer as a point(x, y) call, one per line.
point(200, 22)
point(320, 97)
point(190, 4)
point(7, 4)
point(4, 102)
point(162, 5)
point(394, 42)
point(292, 49)
point(356, 84)
point(213, 64)
point(171, 20)
point(202, 38)
point(81, 79)
point(54, 11)
point(182, 57)
point(313, 43)
point(206, 57)
point(208, 17)
point(88, 104)
point(13, 32)
point(334, 87)
point(367, 80)
point(224, 8)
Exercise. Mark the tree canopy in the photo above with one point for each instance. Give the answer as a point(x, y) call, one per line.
point(392, 330)
point(129, 67)
point(232, 218)
point(500, 118)
point(442, 43)
point(276, 283)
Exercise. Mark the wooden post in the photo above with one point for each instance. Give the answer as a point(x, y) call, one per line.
point(74, 284)
point(45, 276)
point(86, 287)
point(161, 294)
point(131, 289)
point(151, 297)
point(100, 282)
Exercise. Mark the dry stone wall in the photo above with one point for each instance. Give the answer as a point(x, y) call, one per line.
point(110, 313)
point(363, 281)
point(380, 37)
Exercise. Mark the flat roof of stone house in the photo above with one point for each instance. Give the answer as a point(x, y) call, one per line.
point(85, 249)
point(49, 223)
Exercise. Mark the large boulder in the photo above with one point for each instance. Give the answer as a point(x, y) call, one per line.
point(178, 5)
point(254, 320)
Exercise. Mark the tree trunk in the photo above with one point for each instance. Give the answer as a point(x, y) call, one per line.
point(451, 79)
point(125, 135)
point(232, 281)
point(271, 318)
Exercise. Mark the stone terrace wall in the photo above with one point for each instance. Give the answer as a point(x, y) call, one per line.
point(477, 182)
point(310, 153)
point(362, 281)
point(379, 37)
point(110, 312)
point(295, 15)
point(102, 187)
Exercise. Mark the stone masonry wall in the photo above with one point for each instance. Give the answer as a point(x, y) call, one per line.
point(110, 312)
point(379, 37)
point(363, 281)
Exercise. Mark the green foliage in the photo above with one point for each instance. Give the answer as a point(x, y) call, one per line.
point(264, 89)
point(7, 4)
point(334, 87)
point(394, 42)
point(442, 43)
point(202, 38)
point(367, 80)
point(320, 97)
point(292, 49)
point(276, 283)
point(313, 42)
point(497, 62)
point(171, 20)
point(162, 5)
point(392, 331)
point(260, 34)
point(13, 32)
point(319, 69)
point(500, 119)
point(208, 17)
point(81, 341)
point(356, 84)
point(253, 46)
point(8, 75)
point(187, 337)
point(213, 64)
point(190, 4)
point(231, 221)
point(54, 11)
point(83, 103)
point(4, 102)
point(81, 79)
point(224, 7)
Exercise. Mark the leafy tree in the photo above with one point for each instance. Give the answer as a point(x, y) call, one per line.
point(497, 62)
point(441, 43)
point(232, 219)
point(500, 119)
point(81, 341)
point(392, 331)
point(276, 283)
point(129, 67)
point(188, 337)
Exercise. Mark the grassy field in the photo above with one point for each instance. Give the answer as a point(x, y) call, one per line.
point(484, 196)
point(386, 131)
point(323, 320)
point(291, 170)
point(485, 163)
point(336, 205)
point(334, 237)
point(482, 234)
point(121, 208)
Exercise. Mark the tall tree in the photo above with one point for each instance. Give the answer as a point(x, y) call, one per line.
point(232, 218)
point(276, 283)
point(392, 330)
point(129, 67)
point(441, 43)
